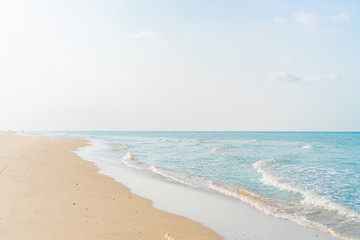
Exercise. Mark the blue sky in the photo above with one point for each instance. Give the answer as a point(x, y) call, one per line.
point(180, 65)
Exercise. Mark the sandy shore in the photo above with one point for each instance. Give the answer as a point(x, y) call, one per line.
point(47, 192)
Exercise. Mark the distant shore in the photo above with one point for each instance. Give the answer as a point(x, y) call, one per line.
point(47, 192)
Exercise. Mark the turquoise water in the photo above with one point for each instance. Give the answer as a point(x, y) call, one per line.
point(309, 178)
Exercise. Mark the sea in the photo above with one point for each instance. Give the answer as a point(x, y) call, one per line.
point(310, 178)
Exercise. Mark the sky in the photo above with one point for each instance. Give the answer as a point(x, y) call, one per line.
point(163, 65)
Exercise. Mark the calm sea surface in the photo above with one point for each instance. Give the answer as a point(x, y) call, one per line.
point(309, 178)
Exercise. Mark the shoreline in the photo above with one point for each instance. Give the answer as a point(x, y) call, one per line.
point(47, 192)
point(226, 215)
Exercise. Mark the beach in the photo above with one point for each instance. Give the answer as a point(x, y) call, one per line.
point(179, 120)
point(47, 192)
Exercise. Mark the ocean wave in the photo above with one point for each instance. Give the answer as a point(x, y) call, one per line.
point(130, 160)
point(241, 194)
point(251, 199)
point(309, 198)
point(247, 197)
point(181, 177)
point(307, 147)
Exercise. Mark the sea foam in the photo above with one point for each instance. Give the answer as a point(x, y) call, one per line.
point(309, 198)
point(307, 147)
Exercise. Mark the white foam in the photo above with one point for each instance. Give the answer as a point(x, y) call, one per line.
point(251, 199)
point(309, 198)
point(195, 181)
point(215, 150)
point(244, 195)
point(307, 147)
point(130, 156)
point(181, 177)
point(130, 160)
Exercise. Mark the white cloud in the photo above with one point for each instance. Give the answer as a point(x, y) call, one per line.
point(306, 18)
point(341, 17)
point(311, 19)
point(280, 20)
point(153, 36)
point(321, 78)
point(283, 76)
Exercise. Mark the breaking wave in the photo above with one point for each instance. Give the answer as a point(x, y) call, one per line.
point(307, 147)
point(309, 198)
point(243, 194)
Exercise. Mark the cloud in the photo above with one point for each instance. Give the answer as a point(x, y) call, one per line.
point(341, 17)
point(283, 76)
point(280, 20)
point(305, 18)
point(153, 36)
point(322, 78)
point(311, 19)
